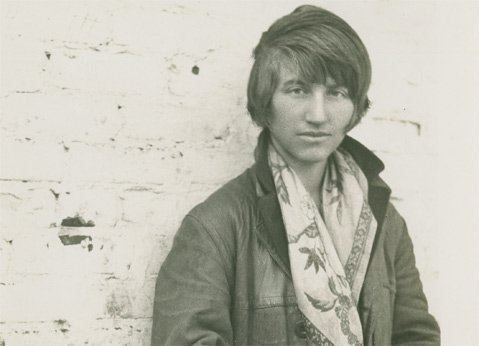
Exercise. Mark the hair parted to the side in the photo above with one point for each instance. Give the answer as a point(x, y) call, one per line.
point(316, 44)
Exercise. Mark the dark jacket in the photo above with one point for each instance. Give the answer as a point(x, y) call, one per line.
point(227, 278)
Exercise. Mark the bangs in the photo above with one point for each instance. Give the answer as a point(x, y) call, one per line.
point(314, 45)
point(314, 68)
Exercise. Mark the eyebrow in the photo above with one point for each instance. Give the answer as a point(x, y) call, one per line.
point(291, 82)
point(331, 83)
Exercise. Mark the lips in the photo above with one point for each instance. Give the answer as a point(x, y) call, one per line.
point(314, 134)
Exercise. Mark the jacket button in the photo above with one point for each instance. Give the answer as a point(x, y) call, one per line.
point(300, 330)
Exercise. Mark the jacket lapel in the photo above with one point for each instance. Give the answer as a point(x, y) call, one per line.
point(270, 229)
point(371, 166)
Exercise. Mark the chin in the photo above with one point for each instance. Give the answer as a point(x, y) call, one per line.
point(317, 155)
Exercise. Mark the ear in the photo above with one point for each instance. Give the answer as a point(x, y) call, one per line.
point(266, 121)
point(355, 119)
point(358, 115)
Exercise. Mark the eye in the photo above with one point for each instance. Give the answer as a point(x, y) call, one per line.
point(298, 91)
point(339, 92)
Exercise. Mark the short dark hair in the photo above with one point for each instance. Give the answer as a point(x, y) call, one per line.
point(317, 44)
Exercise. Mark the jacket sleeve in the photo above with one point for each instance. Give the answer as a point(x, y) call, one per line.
point(412, 324)
point(192, 297)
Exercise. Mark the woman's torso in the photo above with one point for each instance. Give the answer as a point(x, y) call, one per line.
point(263, 302)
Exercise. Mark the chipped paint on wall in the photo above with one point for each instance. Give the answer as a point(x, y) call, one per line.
point(118, 117)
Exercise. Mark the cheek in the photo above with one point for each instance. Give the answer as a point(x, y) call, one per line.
point(282, 113)
point(342, 116)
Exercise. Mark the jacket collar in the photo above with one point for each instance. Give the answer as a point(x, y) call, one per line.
point(271, 229)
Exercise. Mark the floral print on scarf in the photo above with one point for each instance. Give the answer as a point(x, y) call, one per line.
point(328, 247)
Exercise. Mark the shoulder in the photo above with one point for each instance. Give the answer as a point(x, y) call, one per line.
point(393, 219)
point(229, 209)
point(230, 198)
point(394, 228)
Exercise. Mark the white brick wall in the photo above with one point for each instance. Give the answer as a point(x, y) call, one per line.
point(102, 116)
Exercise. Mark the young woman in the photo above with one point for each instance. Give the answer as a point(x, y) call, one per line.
point(304, 247)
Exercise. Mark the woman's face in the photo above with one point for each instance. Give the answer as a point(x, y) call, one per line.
point(308, 121)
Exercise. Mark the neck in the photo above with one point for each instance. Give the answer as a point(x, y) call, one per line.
point(311, 176)
point(310, 173)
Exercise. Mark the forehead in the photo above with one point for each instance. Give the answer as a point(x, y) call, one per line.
point(290, 74)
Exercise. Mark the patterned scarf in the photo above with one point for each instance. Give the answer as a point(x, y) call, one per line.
point(329, 246)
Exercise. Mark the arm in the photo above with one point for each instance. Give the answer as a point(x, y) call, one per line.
point(192, 297)
point(412, 324)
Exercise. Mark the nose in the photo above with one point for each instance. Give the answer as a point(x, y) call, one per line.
point(316, 112)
